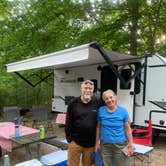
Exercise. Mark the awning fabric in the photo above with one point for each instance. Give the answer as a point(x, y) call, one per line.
point(77, 56)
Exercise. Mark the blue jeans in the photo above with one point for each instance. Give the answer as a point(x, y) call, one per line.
point(112, 153)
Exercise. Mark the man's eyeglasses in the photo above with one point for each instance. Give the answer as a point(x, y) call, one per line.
point(88, 82)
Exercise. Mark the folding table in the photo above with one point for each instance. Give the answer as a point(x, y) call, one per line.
point(143, 153)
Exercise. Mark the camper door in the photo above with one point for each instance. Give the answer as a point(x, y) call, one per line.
point(125, 94)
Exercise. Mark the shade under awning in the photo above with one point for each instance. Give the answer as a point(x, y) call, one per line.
point(122, 59)
point(78, 56)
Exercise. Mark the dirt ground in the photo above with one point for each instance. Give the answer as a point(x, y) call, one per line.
point(158, 154)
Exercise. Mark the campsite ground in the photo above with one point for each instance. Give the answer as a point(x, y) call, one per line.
point(158, 154)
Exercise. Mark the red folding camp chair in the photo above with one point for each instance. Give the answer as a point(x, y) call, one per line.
point(143, 136)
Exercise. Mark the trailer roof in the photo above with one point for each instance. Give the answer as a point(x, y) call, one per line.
point(87, 54)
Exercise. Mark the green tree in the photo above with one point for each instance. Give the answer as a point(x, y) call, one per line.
point(31, 28)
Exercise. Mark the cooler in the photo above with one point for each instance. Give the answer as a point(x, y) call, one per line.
point(33, 162)
point(58, 158)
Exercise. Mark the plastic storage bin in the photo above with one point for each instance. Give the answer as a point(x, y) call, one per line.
point(33, 162)
point(58, 158)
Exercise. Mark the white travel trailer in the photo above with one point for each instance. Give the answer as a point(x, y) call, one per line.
point(139, 82)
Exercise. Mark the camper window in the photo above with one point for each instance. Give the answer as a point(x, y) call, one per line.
point(126, 74)
point(95, 84)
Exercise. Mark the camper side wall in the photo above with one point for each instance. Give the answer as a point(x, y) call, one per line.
point(155, 91)
point(67, 84)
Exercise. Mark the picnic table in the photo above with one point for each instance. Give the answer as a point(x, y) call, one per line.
point(7, 130)
point(27, 140)
point(28, 136)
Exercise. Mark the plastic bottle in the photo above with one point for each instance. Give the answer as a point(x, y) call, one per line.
point(42, 132)
point(17, 131)
point(6, 160)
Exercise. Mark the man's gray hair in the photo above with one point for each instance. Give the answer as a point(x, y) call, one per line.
point(88, 82)
point(108, 91)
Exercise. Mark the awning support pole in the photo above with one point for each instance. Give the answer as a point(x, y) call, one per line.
point(107, 59)
point(31, 84)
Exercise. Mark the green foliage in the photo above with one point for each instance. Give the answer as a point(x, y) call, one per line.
point(31, 28)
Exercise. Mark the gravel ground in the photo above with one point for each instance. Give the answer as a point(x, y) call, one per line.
point(158, 154)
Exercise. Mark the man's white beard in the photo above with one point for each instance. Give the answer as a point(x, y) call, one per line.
point(87, 96)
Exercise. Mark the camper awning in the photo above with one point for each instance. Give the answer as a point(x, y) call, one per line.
point(87, 54)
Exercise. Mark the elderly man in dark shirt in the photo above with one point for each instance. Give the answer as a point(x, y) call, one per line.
point(81, 121)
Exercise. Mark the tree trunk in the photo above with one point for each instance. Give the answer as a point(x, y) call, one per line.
point(134, 13)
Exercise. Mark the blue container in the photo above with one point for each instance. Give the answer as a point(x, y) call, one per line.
point(57, 158)
point(33, 162)
point(63, 163)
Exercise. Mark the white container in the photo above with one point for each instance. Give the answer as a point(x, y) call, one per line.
point(33, 162)
point(58, 158)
